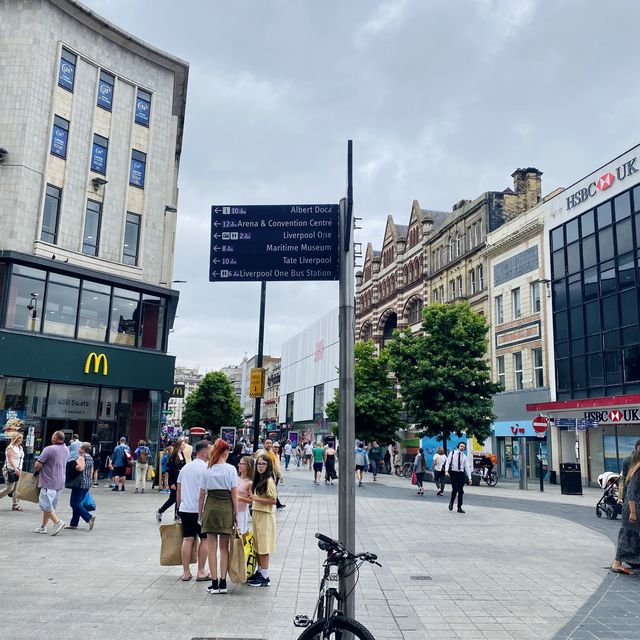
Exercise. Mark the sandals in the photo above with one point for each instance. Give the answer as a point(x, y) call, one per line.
point(16, 507)
point(624, 570)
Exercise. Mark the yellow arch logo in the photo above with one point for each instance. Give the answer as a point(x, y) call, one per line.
point(96, 359)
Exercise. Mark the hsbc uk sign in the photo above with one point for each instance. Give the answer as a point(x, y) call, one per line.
point(605, 181)
point(613, 415)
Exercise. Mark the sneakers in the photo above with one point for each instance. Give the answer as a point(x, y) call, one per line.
point(258, 581)
point(115, 489)
point(222, 586)
point(214, 587)
point(57, 527)
point(158, 517)
point(142, 491)
point(122, 489)
point(136, 491)
point(70, 526)
point(281, 506)
point(360, 483)
point(92, 522)
point(40, 530)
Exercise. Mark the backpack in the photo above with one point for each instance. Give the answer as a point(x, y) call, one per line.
point(143, 456)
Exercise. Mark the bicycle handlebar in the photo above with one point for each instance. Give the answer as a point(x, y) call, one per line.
point(339, 547)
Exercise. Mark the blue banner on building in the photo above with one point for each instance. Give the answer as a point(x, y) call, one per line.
point(136, 174)
point(59, 138)
point(105, 95)
point(98, 158)
point(143, 107)
point(66, 74)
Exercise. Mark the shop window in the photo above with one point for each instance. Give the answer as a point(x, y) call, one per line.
point(61, 305)
point(131, 239)
point(73, 402)
point(93, 318)
point(26, 296)
point(105, 90)
point(59, 137)
point(92, 221)
point(51, 214)
point(499, 310)
point(143, 107)
point(622, 206)
point(517, 371)
point(108, 404)
point(99, 152)
point(538, 370)
point(152, 328)
point(67, 70)
point(502, 376)
point(125, 316)
point(138, 168)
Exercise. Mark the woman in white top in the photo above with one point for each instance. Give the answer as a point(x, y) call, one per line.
point(245, 466)
point(12, 468)
point(439, 461)
point(219, 515)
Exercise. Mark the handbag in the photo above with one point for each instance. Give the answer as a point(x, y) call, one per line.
point(237, 560)
point(151, 473)
point(171, 546)
point(414, 479)
point(250, 553)
point(73, 476)
point(12, 476)
point(27, 487)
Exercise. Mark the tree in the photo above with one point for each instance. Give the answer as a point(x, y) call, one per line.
point(444, 378)
point(377, 407)
point(213, 404)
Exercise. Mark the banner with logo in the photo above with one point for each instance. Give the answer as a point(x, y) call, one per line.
point(59, 141)
point(98, 158)
point(66, 73)
point(136, 175)
point(105, 94)
point(142, 111)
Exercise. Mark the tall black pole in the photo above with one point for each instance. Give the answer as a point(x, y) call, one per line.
point(256, 410)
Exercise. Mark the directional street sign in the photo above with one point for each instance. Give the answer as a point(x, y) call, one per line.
point(274, 242)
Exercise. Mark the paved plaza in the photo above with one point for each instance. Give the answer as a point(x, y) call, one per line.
point(518, 565)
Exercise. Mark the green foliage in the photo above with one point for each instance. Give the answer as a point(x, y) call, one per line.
point(444, 379)
point(213, 405)
point(377, 407)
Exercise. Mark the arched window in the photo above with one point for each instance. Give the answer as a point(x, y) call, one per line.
point(480, 271)
point(472, 282)
point(450, 248)
point(390, 325)
point(458, 245)
point(414, 311)
point(366, 331)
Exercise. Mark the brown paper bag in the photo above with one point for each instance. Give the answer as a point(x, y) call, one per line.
point(171, 546)
point(237, 560)
point(27, 487)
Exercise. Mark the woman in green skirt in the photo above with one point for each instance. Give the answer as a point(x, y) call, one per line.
point(217, 507)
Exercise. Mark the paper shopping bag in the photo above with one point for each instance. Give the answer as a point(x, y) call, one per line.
point(27, 487)
point(237, 560)
point(171, 546)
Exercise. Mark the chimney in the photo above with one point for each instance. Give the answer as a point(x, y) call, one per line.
point(527, 183)
point(427, 224)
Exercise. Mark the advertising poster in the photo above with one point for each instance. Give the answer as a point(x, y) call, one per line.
point(142, 112)
point(98, 158)
point(105, 95)
point(66, 74)
point(59, 142)
point(136, 176)
point(228, 434)
point(293, 436)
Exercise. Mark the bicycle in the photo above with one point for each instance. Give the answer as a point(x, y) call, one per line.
point(405, 470)
point(489, 476)
point(329, 622)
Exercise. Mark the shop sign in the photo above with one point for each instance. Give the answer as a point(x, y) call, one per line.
point(613, 415)
point(96, 360)
point(75, 403)
point(520, 429)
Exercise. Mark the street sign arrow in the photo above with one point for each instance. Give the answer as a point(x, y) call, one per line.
point(215, 260)
point(215, 247)
point(217, 210)
point(214, 274)
point(216, 223)
point(216, 235)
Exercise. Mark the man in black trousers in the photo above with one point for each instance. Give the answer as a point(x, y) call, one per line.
point(459, 470)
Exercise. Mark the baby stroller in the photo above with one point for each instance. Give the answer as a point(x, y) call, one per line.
point(609, 502)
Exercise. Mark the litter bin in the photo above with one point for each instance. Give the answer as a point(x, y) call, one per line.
point(570, 479)
point(475, 479)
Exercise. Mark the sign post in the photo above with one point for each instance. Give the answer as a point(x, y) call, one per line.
point(540, 426)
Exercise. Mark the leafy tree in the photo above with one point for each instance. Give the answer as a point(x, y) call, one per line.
point(213, 404)
point(444, 379)
point(377, 407)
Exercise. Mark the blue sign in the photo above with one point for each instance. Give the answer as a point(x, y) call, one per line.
point(105, 95)
point(143, 108)
point(98, 158)
point(136, 173)
point(566, 422)
point(59, 138)
point(66, 74)
point(515, 428)
point(274, 242)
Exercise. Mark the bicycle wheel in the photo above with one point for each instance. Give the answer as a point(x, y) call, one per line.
point(338, 625)
point(492, 479)
point(407, 470)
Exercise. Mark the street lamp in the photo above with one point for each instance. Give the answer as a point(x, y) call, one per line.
point(32, 307)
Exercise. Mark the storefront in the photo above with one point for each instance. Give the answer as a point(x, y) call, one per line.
point(509, 437)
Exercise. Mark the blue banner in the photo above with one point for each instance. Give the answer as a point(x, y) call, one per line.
point(98, 159)
point(143, 109)
point(66, 74)
point(59, 141)
point(136, 174)
point(105, 95)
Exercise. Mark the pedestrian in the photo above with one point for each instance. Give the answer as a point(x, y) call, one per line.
point(628, 548)
point(247, 468)
point(263, 495)
point(142, 455)
point(420, 468)
point(235, 455)
point(220, 488)
point(96, 455)
point(375, 456)
point(119, 461)
point(50, 467)
point(80, 486)
point(438, 468)
point(308, 454)
point(187, 450)
point(74, 447)
point(187, 494)
point(318, 458)
point(14, 459)
point(288, 449)
point(387, 460)
point(330, 464)
point(164, 486)
point(397, 463)
point(272, 451)
point(174, 466)
point(459, 470)
point(298, 456)
point(361, 461)
point(626, 465)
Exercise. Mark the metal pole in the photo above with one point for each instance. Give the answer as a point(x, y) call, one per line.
point(347, 435)
point(541, 469)
point(256, 410)
point(523, 463)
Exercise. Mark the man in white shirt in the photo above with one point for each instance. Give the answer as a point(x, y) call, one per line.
point(459, 470)
point(187, 493)
point(308, 454)
point(287, 454)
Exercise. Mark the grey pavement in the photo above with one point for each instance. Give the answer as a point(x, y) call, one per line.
point(517, 565)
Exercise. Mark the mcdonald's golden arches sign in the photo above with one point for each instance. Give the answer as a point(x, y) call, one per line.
point(96, 359)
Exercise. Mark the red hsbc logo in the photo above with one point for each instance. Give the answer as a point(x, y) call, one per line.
point(615, 415)
point(605, 181)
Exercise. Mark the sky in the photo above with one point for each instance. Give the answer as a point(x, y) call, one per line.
point(443, 101)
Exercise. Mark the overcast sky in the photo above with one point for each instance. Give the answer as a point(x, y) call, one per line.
point(443, 100)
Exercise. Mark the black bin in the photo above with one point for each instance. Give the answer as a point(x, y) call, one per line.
point(570, 479)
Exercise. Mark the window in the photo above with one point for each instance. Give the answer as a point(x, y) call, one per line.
point(152, 324)
point(138, 168)
point(290, 402)
point(441, 293)
point(318, 402)
point(502, 378)
point(61, 305)
point(51, 214)
point(452, 290)
point(125, 315)
point(472, 281)
point(499, 310)
point(517, 370)
point(535, 297)
point(67, 70)
point(93, 319)
point(91, 238)
point(143, 107)
point(59, 137)
point(480, 271)
point(538, 373)
point(99, 154)
point(414, 314)
point(131, 239)
point(26, 295)
point(450, 248)
point(105, 90)
point(515, 303)
point(458, 245)
point(459, 286)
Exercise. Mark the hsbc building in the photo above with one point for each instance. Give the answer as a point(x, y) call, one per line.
point(592, 268)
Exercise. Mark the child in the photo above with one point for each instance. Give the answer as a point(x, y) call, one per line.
point(246, 468)
point(263, 494)
point(164, 487)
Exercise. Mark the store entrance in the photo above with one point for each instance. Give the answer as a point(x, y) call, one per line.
point(84, 429)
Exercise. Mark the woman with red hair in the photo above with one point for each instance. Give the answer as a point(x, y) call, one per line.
point(220, 488)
